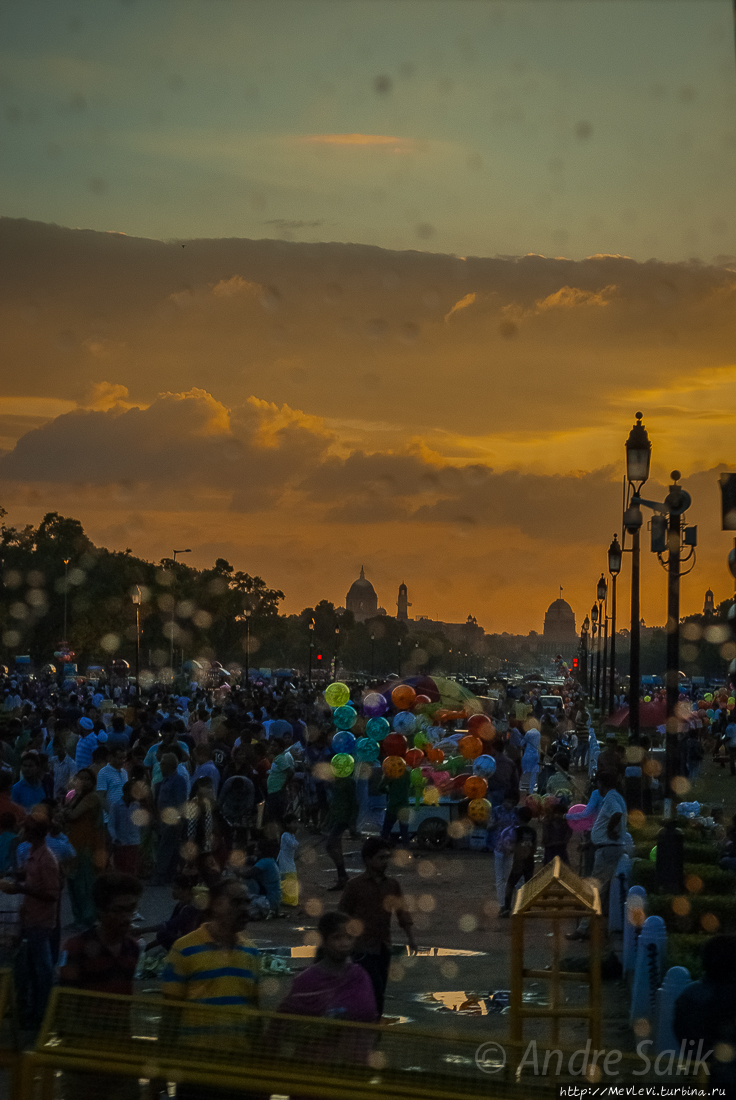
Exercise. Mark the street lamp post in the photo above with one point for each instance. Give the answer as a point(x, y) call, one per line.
point(66, 596)
point(337, 647)
point(373, 648)
point(584, 655)
point(614, 568)
point(398, 646)
point(596, 662)
point(638, 461)
point(136, 598)
point(173, 614)
point(602, 597)
point(311, 649)
point(247, 612)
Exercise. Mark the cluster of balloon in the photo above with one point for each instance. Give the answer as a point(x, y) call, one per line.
point(394, 767)
point(479, 810)
point(395, 745)
point(475, 787)
point(345, 718)
point(342, 765)
point(374, 705)
point(403, 697)
point(337, 695)
point(343, 741)
point(366, 750)
point(480, 725)
point(470, 747)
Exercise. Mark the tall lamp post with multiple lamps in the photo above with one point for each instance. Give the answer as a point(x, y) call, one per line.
point(584, 653)
point(373, 652)
point(595, 656)
point(638, 461)
point(310, 627)
point(136, 598)
point(614, 568)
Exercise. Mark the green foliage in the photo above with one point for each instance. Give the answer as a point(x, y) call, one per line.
point(715, 881)
point(720, 906)
point(685, 949)
point(694, 853)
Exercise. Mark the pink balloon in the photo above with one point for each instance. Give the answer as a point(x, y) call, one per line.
point(582, 823)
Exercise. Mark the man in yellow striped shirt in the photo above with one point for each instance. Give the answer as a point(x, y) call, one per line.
point(216, 964)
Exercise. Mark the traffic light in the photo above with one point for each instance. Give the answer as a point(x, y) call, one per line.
point(319, 656)
point(574, 662)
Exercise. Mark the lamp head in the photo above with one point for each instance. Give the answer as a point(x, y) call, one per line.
point(638, 454)
point(614, 557)
point(594, 613)
point(601, 589)
point(136, 596)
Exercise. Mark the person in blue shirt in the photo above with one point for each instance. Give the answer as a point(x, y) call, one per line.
point(28, 791)
point(264, 881)
point(169, 795)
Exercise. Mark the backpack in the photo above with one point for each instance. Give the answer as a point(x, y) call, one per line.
point(507, 840)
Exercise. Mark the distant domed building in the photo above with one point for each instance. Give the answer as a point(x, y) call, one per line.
point(362, 599)
point(559, 625)
point(709, 607)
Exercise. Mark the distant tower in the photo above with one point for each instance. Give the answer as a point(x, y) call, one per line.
point(403, 604)
point(709, 607)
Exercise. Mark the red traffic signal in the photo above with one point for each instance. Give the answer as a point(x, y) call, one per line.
point(574, 662)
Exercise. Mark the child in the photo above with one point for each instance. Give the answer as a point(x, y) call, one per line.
point(287, 866)
point(522, 865)
point(264, 881)
point(555, 834)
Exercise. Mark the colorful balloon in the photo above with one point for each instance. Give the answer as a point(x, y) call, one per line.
point(417, 778)
point(431, 796)
point(403, 697)
point(470, 747)
point(484, 766)
point(479, 810)
point(343, 742)
point(475, 787)
point(377, 728)
point(345, 718)
point(366, 750)
point(414, 757)
point(436, 756)
point(374, 705)
point(337, 695)
point(480, 725)
point(583, 823)
point(342, 765)
point(404, 722)
point(394, 767)
point(395, 745)
point(653, 854)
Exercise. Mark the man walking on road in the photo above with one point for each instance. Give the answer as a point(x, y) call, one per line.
point(370, 899)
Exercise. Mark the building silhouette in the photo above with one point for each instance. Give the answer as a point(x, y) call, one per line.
point(362, 599)
point(709, 607)
point(403, 604)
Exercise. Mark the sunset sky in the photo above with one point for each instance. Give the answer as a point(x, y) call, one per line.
point(315, 285)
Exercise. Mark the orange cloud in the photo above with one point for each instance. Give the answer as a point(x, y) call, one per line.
point(402, 145)
point(462, 304)
point(570, 297)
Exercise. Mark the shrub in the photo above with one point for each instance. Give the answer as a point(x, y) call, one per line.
point(721, 907)
point(715, 881)
point(687, 950)
point(694, 853)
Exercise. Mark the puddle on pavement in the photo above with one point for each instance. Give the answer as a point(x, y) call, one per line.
point(468, 1003)
point(440, 952)
point(304, 951)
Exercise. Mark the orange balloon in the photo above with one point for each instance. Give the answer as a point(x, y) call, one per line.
point(436, 756)
point(403, 697)
point(394, 767)
point(470, 747)
point(475, 787)
point(480, 725)
point(422, 701)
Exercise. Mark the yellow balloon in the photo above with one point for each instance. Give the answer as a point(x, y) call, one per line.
point(337, 695)
point(479, 810)
point(431, 796)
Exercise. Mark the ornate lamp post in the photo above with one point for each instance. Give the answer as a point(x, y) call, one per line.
point(247, 612)
point(584, 646)
point(638, 461)
point(602, 597)
point(398, 646)
point(310, 627)
point(173, 614)
point(595, 657)
point(373, 655)
point(614, 568)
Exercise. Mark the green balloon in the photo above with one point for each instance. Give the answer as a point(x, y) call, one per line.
point(337, 695)
point(653, 854)
point(342, 765)
point(416, 778)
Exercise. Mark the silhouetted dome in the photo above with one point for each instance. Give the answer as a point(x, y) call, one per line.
point(361, 588)
point(559, 622)
point(362, 599)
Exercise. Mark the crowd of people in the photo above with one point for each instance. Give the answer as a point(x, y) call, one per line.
point(206, 790)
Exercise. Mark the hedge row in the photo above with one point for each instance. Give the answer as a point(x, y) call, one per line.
point(687, 950)
point(694, 853)
point(721, 907)
point(715, 880)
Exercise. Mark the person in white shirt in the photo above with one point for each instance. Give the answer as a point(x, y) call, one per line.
point(608, 835)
